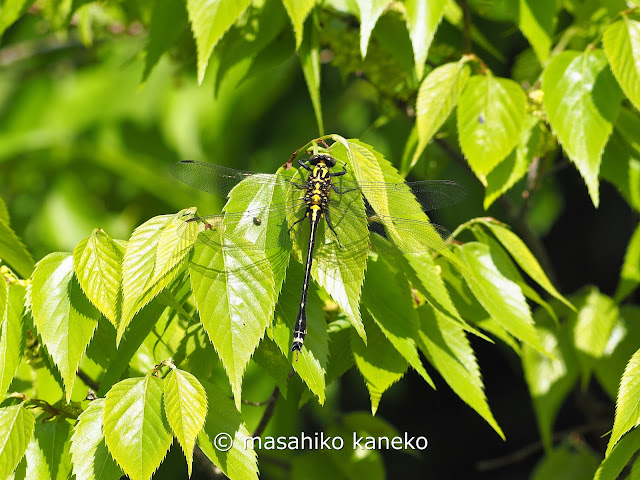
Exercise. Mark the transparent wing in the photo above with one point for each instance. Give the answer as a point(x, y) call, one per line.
point(430, 194)
point(219, 180)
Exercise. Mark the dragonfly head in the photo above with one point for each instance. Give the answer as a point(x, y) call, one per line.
point(328, 160)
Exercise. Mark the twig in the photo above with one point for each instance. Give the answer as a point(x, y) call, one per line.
point(528, 450)
point(466, 26)
point(88, 381)
point(268, 412)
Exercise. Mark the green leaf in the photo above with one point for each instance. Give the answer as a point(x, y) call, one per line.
point(508, 172)
point(565, 462)
point(153, 258)
point(437, 97)
point(370, 11)
point(535, 20)
point(621, 41)
point(628, 402)
point(97, 262)
point(447, 348)
point(298, 11)
point(309, 52)
point(4, 212)
point(11, 11)
point(630, 274)
point(596, 317)
point(582, 100)
point(619, 456)
point(89, 454)
point(260, 27)
point(525, 259)
point(500, 296)
point(550, 377)
point(387, 296)
point(423, 18)
point(185, 403)
point(311, 364)
point(13, 251)
point(47, 454)
point(240, 461)
point(63, 316)
point(11, 332)
point(623, 342)
point(235, 294)
point(491, 114)
point(169, 19)
point(621, 158)
point(135, 426)
point(379, 363)
point(16, 429)
point(210, 19)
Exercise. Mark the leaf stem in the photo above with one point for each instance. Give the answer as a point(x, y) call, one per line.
point(268, 412)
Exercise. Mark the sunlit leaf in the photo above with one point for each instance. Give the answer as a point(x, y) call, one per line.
point(594, 322)
point(64, 317)
point(185, 403)
point(234, 292)
point(97, 262)
point(89, 454)
point(298, 11)
point(437, 97)
point(628, 402)
point(525, 259)
point(621, 41)
point(11, 332)
point(582, 100)
point(153, 258)
point(447, 348)
point(491, 114)
point(499, 295)
point(11, 11)
point(210, 19)
point(13, 251)
point(135, 427)
point(619, 456)
point(370, 11)
point(240, 461)
point(423, 18)
point(16, 429)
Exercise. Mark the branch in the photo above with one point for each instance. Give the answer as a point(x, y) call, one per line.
point(268, 412)
point(88, 381)
point(466, 26)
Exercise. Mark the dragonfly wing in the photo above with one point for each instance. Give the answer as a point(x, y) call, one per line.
point(406, 198)
point(219, 180)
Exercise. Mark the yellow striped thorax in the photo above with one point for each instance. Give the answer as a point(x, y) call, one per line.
point(318, 185)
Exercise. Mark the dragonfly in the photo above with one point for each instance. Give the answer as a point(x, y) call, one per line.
point(319, 195)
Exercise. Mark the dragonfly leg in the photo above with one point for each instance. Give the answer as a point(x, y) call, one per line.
point(327, 217)
point(297, 222)
point(337, 174)
point(304, 165)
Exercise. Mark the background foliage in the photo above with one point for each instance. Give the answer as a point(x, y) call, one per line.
point(529, 104)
